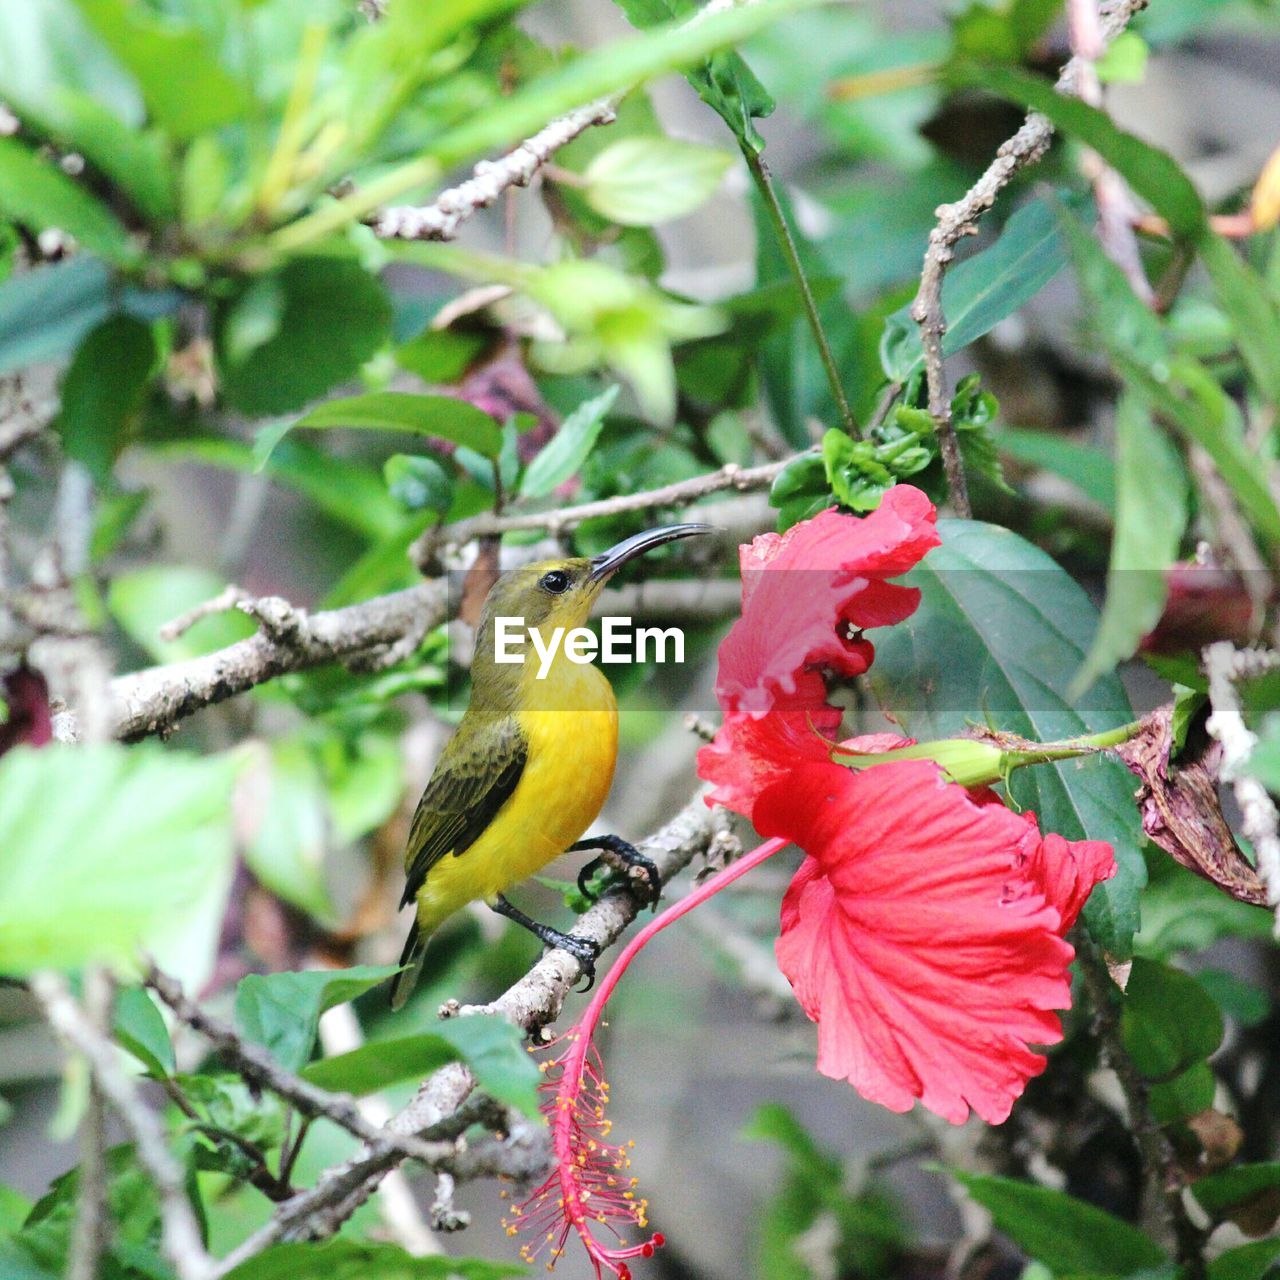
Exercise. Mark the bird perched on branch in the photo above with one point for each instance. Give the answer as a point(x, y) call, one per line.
point(531, 762)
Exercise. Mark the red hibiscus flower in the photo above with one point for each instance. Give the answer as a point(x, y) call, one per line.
point(807, 597)
point(923, 932)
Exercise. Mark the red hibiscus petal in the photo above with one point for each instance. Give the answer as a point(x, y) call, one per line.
point(747, 755)
point(922, 934)
point(803, 590)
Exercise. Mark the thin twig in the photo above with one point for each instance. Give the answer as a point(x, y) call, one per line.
point(179, 1232)
point(1224, 665)
point(92, 1230)
point(257, 1065)
point(786, 242)
point(560, 520)
point(443, 216)
point(441, 219)
point(1159, 1160)
point(1117, 209)
point(955, 221)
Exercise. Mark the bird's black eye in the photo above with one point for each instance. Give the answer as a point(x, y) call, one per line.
point(557, 582)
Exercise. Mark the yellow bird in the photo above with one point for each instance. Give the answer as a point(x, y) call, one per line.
point(531, 762)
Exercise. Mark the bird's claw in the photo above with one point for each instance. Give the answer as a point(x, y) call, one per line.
point(648, 893)
point(586, 953)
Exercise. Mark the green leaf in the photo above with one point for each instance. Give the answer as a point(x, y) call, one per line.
point(331, 317)
point(1152, 510)
point(492, 1047)
point(564, 454)
point(1065, 1234)
point(282, 1010)
point(1152, 173)
point(1255, 318)
point(356, 1260)
point(185, 88)
point(39, 195)
point(143, 840)
point(1248, 1262)
point(724, 82)
point(287, 849)
point(419, 482)
point(103, 390)
point(44, 313)
point(608, 70)
point(983, 289)
point(999, 631)
point(1177, 389)
point(1220, 1193)
point(639, 182)
point(13, 1210)
point(140, 1027)
point(1168, 1021)
point(1187, 1094)
point(440, 417)
point(143, 600)
point(1088, 468)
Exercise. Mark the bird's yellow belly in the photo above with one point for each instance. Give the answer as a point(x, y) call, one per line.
point(572, 749)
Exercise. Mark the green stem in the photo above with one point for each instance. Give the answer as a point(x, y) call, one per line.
point(764, 184)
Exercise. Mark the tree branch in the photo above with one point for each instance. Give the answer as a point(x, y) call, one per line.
point(155, 699)
point(180, 1233)
point(955, 221)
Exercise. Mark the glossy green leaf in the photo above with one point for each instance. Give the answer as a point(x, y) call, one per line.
point(999, 632)
point(439, 417)
point(36, 193)
point(357, 1260)
point(140, 1027)
point(282, 1010)
point(983, 289)
point(1067, 1235)
point(1168, 1021)
point(1186, 1094)
point(1152, 510)
point(143, 840)
point(640, 182)
point(492, 1047)
point(1152, 173)
point(563, 455)
point(103, 390)
point(331, 316)
point(186, 90)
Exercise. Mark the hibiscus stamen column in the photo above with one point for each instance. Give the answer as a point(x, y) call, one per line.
point(590, 1187)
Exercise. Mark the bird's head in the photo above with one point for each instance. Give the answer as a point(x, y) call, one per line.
point(560, 593)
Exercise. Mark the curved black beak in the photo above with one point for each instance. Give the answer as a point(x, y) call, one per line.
point(609, 562)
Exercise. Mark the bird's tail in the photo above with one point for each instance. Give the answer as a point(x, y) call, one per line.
point(412, 958)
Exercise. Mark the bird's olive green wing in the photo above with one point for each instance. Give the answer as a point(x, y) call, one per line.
point(476, 775)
